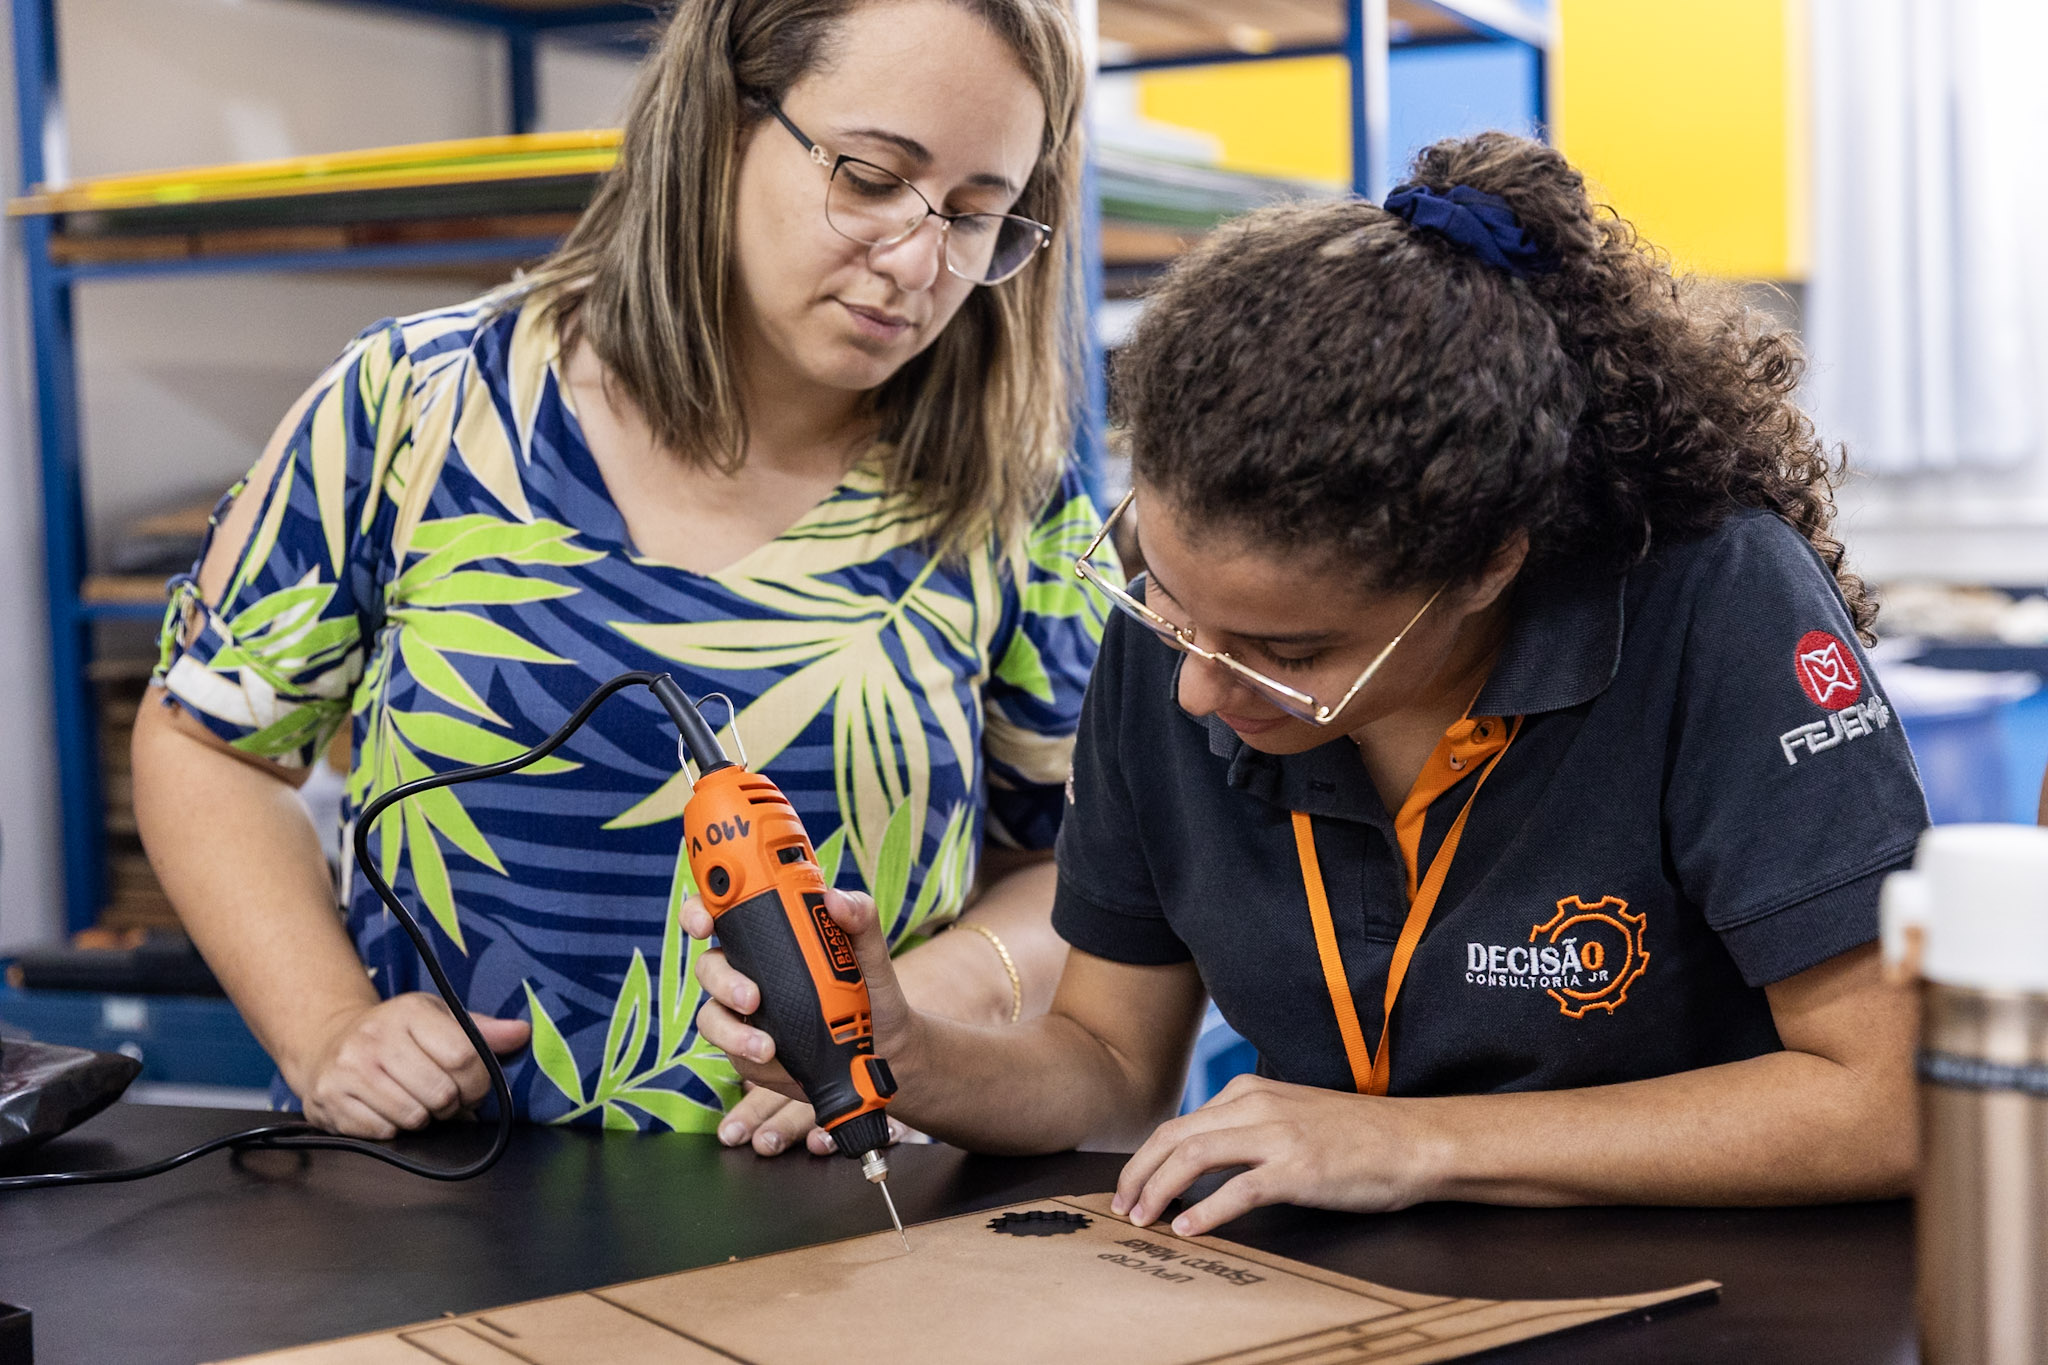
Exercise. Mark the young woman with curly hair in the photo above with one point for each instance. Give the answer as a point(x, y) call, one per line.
point(1489, 738)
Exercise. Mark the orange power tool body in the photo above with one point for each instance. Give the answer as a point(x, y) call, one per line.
point(757, 874)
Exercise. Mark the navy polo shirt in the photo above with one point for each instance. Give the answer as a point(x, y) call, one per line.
point(1706, 789)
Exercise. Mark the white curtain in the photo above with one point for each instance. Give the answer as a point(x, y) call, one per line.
point(1927, 306)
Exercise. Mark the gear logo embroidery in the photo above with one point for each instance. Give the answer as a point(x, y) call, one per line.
point(1827, 671)
point(1605, 942)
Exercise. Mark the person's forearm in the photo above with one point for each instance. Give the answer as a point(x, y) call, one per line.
point(238, 856)
point(1017, 908)
point(1047, 1085)
point(1787, 1127)
point(1101, 1067)
point(959, 974)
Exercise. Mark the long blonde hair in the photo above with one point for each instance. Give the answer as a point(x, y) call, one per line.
point(978, 422)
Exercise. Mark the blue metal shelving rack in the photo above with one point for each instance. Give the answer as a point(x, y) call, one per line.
point(38, 92)
point(1366, 37)
point(1369, 34)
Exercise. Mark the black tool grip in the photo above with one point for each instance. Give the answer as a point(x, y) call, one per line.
point(760, 943)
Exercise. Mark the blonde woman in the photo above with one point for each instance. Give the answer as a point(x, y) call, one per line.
point(785, 416)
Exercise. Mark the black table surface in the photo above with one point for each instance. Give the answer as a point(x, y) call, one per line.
point(221, 1259)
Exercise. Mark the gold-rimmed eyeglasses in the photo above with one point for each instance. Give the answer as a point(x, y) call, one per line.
point(1292, 700)
point(874, 206)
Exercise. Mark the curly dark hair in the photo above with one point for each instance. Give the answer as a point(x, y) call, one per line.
point(1325, 375)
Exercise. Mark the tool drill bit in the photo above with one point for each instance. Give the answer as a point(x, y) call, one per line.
point(875, 1167)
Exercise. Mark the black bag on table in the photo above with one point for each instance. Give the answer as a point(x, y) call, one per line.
point(46, 1089)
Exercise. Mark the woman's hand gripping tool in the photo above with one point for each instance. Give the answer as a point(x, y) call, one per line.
point(758, 876)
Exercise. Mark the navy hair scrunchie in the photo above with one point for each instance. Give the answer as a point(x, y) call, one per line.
point(1481, 224)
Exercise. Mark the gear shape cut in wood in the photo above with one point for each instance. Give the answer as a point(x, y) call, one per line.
point(1039, 1223)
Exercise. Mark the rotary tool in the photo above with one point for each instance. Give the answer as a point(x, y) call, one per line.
point(758, 876)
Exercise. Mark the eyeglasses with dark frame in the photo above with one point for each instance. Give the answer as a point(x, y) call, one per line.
point(1292, 700)
point(874, 206)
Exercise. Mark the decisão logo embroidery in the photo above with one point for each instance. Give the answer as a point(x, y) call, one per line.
point(1585, 957)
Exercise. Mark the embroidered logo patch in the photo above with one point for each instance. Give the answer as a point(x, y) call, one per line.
point(1585, 957)
point(1862, 719)
point(1827, 671)
point(1828, 674)
point(1609, 943)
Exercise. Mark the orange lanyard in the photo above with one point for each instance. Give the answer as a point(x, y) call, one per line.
point(1472, 738)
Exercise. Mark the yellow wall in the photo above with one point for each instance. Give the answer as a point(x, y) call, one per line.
point(1288, 118)
point(1688, 115)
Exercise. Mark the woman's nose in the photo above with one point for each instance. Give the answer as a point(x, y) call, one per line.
point(1205, 687)
point(913, 263)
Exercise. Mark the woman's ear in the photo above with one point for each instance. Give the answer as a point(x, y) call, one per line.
point(1500, 571)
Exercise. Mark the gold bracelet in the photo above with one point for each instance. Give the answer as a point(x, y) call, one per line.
point(1009, 966)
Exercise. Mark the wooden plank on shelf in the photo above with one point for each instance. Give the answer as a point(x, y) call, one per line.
point(1482, 19)
point(498, 200)
point(471, 227)
point(1412, 21)
point(118, 713)
point(1152, 29)
point(117, 790)
point(68, 248)
point(488, 11)
point(87, 248)
point(119, 668)
point(559, 6)
point(1141, 243)
point(135, 898)
point(188, 519)
point(1165, 28)
point(125, 589)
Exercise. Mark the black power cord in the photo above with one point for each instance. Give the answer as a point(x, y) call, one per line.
point(300, 1136)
